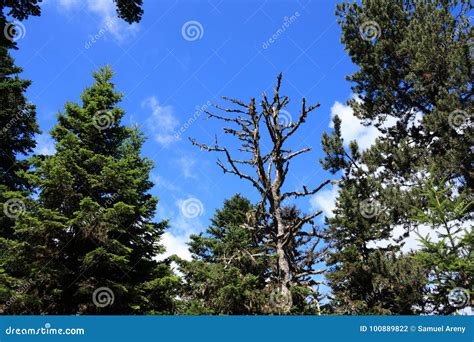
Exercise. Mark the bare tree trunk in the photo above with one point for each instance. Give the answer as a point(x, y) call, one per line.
point(270, 170)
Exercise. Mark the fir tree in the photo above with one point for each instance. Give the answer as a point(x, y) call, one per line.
point(18, 127)
point(448, 253)
point(228, 269)
point(89, 241)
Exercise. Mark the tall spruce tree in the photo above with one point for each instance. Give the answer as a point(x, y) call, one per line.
point(229, 266)
point(415, 67)
point(18, 127)
point(89, 241)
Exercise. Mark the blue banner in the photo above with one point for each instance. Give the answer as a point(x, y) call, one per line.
point(240, 328)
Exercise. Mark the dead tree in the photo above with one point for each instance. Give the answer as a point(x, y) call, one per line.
point(266, 169)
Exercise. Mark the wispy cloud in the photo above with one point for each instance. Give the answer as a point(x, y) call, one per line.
point(325, 200)
point(186, 165)
point(105, 11)
point(162, 122)
point(45, 145)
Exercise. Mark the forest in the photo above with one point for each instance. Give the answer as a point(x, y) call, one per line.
point(79, 231)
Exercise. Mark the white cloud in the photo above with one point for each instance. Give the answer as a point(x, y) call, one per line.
point(175, 245)
point(186, 165)
point(68, 4)
point(352, 128)
point(45, 145)
point(163, 183)
point(161, 122)
point(105, 11)
point(325, 200)
point(181, 228)
point(411, 242)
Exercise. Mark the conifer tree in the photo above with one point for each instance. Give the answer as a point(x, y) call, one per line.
point(415, 68)
point(18, 127)
point(89, 240)
point(448, 252)
point(229, 267)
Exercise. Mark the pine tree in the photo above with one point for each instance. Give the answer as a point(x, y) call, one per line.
point(89, 240)
point(366, 278)
point(228, 269)
point(414, 67)
point(414, 63)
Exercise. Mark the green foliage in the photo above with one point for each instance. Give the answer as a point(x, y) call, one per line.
point(449, 257)
point(18, 127)
point(228, 268)
point(415, 70)
point(92, 226)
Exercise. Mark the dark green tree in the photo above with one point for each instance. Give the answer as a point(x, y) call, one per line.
point(415, 62)
point(364, 277)
point(448, 253)
point(415, 67)
point(229, 265)
point(18, 127)
point(89, 239)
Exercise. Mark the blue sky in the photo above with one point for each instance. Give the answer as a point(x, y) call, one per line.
point(182, 56)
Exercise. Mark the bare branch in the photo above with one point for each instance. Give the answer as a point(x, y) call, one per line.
point(305, 191)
